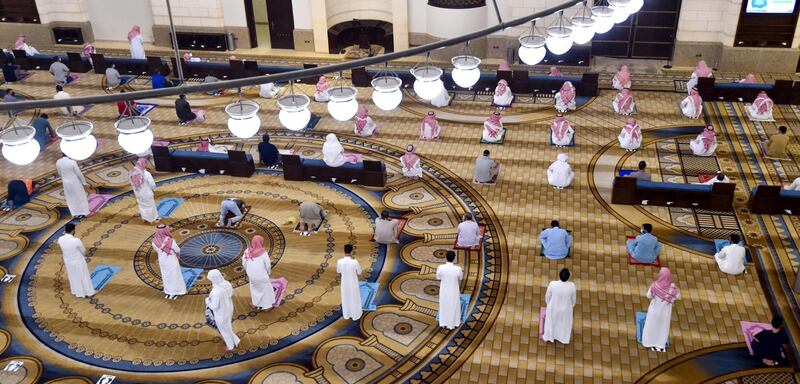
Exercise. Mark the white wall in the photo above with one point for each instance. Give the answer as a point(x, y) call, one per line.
point(417, 16)
point(339, 11)
point(194, 13)
point(233, 14)
point(709, 21)
point(446, 23)
point(133, 12)
point(302, 14)
point(62, 10)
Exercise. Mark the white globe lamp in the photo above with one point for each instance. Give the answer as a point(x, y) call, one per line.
point(294, 114)
point(428, 81)
point(465, 70)
point(582, 29)
point(386, 92)
point(77, 141)
point(559, 39)
point(243, 120)
point(621, 10)
point(531, 49)
point(342, 104)
point(636, 6)
point(19, 147)
point(135, 135)
point(603, 19)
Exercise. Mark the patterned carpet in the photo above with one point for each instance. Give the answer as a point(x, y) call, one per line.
point(129, 331)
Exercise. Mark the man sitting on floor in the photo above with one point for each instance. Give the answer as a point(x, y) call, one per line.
point(469, 233)
point(268, 152)
point(645, 247)
point(311, 217)
point(486, 169)
point(233, 206)
point(768, 345)
point(776, 145)
point(730, 258)
point(555, 241)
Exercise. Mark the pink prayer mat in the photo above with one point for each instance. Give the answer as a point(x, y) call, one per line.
point(703, 177)
point(751, 329)
point(97, 201)
point(160, 143)
point(353, 157)
point(542, 318)
point(633, 261)
point(279, 285)
point(482, 229)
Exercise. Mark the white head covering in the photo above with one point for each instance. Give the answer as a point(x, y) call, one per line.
point(219, 282)
point(332, 151)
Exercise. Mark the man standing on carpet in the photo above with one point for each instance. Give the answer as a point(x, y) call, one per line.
point(80, 280)
point(144, 188)
point(560, 299)
point(349, 268)
point(449, 292)
point(662, 294)
point(169, 263)
point(220, 302)
point(258, 267)
point(73, 181)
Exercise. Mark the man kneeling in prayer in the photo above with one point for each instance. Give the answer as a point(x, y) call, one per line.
point(311, 216)
point(232, 206)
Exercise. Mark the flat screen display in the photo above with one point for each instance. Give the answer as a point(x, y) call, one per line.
point(770, 6)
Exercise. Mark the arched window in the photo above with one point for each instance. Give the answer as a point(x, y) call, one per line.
point(457, 4)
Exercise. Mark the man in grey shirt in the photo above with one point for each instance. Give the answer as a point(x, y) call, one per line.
point(486, 169)
point(641, 174)
point(113, 79)
point(311, 217)
point(60, 72)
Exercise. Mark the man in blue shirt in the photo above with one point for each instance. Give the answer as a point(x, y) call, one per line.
point(159, 80)
point(556, 241)
point(44, 131)
point(268, 152)
point(645, 248)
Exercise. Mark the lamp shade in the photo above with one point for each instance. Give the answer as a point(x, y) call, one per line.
point(465, 70)
point(582, 29)
point(77, 140)
point(19, 147)
point(134, 134)
point(603, 21)
point(621, 8)
point(243, 120)
point(427, 83)
point(386, 92)
point(559, 40)
point(342, 104)
point(636, 6)
point(531, 49)
point(294, 114)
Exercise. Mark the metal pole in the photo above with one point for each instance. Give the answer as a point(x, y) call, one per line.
point(284, 76)
point(497, 12)
point(179, 65)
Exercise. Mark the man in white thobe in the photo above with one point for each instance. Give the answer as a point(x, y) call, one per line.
point(560, 298)
point(349, 268)
point(469, 232)
point(73, 181)
point(80, 280)
point(449, 292)
point(730, 258)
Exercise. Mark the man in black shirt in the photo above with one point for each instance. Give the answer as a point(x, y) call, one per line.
point(184, 110)
point(267, 152)
point(768, 344)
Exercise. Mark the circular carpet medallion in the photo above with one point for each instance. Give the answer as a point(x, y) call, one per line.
point(128, 329)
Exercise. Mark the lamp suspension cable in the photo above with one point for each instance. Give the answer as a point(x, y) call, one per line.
point(285, 76)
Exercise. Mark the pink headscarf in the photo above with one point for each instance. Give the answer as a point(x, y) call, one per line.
point(702, 69)
point(322, 84)
point(136, 174)
point(765, 103)
point(632, 128)
point(749, 79)
point(708, 136)
point(663, 287)
point(187, 56)
point(256, 248)
point(503, 65)
point(559, 126)
point(361, 118)
point(20, 42)
point(567, 92)
point(554, 71)
point(624, 99)
point(494, 118)
point(204, 145)
point(88, 49)
point(697, 100)
point(135, 31)
point(163, 239)
point(502, 87)
point(410, 158)
point(624, 75)
point(233, 57)
point(430, 119)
